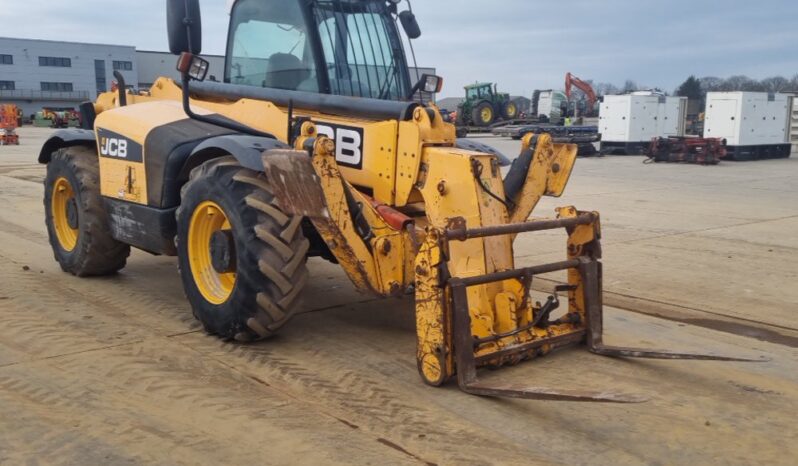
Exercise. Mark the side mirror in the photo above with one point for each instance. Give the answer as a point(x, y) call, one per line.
point(431, 83)
point(193, 66)
point(184, 26)
point(410, 24)
point(428, 83)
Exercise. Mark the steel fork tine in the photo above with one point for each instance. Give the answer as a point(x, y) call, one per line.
point(623, 352)
point(591, 275)
point(539, 393)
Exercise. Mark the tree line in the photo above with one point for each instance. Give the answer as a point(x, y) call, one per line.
point(697, 88)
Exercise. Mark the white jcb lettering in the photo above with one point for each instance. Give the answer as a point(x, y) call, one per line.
point(347, 147)
point(325, 130)
point(122, 152)
point(113, 147)
point(348, 144)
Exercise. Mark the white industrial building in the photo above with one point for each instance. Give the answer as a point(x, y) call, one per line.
point(152, 65)
point(36, 74)
point(42, 73)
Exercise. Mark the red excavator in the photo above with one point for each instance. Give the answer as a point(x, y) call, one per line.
point(572, 81)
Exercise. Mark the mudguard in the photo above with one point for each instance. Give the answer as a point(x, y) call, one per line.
point(246, 149)
point(66, 138)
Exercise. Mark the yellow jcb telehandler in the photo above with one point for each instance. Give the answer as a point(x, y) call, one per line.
point(314, 144)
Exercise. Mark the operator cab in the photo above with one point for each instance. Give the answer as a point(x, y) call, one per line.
point(340, 47)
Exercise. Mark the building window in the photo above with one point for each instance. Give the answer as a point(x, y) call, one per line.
point(57, 87)
point(123, 65)
point(99, 75)
point(6, 59)
point(55, 61)
point(7, 85)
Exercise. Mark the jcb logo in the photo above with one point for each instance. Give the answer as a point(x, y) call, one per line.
point(113, 147)
point(116, 146)
point(348, 143)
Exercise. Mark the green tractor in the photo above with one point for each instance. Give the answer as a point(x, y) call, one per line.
point(483, 106)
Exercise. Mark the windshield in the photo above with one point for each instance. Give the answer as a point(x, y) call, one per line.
point(362, 50)
point(343, 47)
point(269, 46)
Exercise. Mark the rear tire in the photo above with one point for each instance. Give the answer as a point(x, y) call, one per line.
point(461, 119)
point(267, 249)
point(509, 110)
point(76, 219)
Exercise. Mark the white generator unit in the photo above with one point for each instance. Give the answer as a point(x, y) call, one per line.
point(628, 123)
point(755, 125)
point(794, 124)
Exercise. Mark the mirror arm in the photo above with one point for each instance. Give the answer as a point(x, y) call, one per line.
point(121, 88)
point(415, 89)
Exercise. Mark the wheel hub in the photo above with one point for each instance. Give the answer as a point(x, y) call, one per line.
point(72, 213)
point(64, 213)
point(223, 252)
point(211, 252)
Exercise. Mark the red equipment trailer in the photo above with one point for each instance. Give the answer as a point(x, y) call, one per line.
point(702, 151)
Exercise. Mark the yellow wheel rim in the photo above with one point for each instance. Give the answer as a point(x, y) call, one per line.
point(487, 114)
point(63, 196)
point(207, 219)
point(511, 110)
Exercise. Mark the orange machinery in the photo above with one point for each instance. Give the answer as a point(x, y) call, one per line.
point(9, 122)
point(572, 81)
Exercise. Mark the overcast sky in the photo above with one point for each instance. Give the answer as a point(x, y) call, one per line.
point(521, 44)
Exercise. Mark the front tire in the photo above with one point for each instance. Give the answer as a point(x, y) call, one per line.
point(76, 219)
point(483, 114)
point(242, 261)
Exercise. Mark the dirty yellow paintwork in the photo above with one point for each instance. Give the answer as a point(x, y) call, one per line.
point(381, 139)
point(381, 266)
point(434, 351)
point(124, 179)
point(415, 136)
point(337, 230)
point(548, 175)
point(411, 166)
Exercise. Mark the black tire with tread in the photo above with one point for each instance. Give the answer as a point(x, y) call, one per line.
point(461, 119)
point(271, 252)
point(97, 253)
point(506, 114)
point(476, 114)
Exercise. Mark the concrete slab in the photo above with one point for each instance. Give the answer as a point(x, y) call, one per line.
point(116, 369)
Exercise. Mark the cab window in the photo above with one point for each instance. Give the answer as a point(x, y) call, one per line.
point(269, 47)
point(359, 54)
